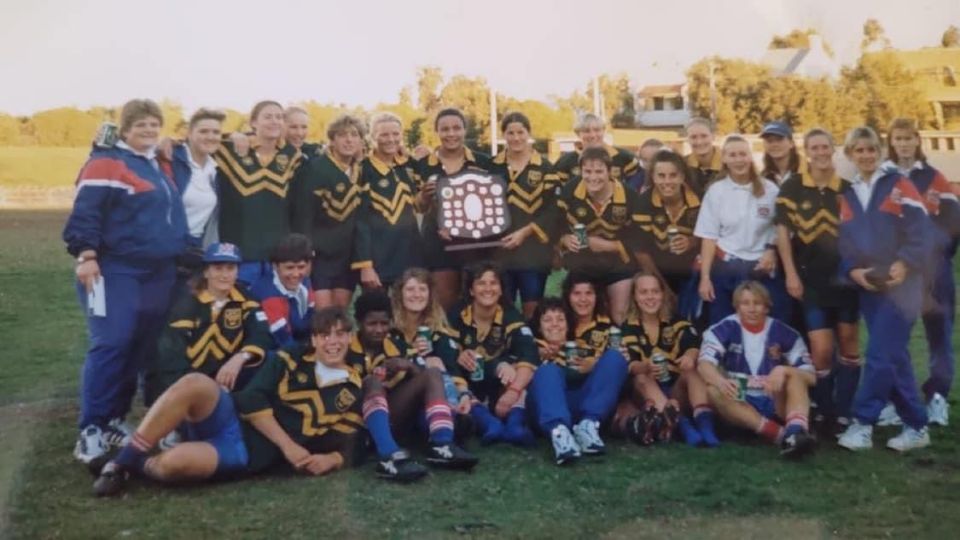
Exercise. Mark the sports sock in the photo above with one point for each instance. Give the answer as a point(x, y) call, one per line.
point(796, 423)
point(489, 426)
point(769, 430)
point(689, 432)
point(440, 422)
point(376, 416)
point(134, 454)
point(703, 417)
point(516, 431)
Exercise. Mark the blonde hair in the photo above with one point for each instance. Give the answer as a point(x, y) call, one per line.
point(292, 110)
point(433, 316)
point(756, 182)
point(345, 122)
point(862, 133)
point(587, 119)
point(383, 118)
point(138, 109)
point(817, 132)
point(699, 121)
point(669, 299)
point(904, 124)
point(755, 288)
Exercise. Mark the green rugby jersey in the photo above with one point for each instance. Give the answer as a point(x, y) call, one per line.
point(320, 415)
point(673, 340)
point(253, 197)
point(655, 223)
point(325, 202)
point(387, 222)
point(703, 176)
point(532, 200)
point(366, 362)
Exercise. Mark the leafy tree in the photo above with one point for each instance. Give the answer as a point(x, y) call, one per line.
point(429, 80)
point(885, 89)
point(472, 96)
point(797, 39)
point(951, 37)
point(64, 126)
point(874, 36)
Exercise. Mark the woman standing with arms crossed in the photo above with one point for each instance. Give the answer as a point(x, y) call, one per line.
point(808, 217)
point(884, 243)
point(126, 229)
point(527, 252)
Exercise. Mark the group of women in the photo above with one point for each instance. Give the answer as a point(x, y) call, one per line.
point(657, 253)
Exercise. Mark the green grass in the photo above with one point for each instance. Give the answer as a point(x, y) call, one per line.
point(40, 166)
point(739, 490)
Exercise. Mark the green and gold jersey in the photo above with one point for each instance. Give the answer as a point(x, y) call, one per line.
point(443, 347)
point(703, 176)
point(591, 339)
point(507, 340)
point(812, 215)
point(254, 204)
point(618, 220)
point(202, 335)
point(655, 223)
point(387, 223)
point(624, 164)
point(532, 200)
point(318, 407)
point(674, 339)
point(325, 206)
point(367, 362)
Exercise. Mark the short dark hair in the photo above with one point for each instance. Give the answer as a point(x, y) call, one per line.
point(293, 248)
point(596, 153)
point(449, 111)
point(372, 302)
point(326, 319)
point(550, 303)
point(202, 114)
point(515, 117)
point(572, 280)
point(475, 271)
point(669, 156)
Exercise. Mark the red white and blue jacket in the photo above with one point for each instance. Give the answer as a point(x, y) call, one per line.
point(127, 209)
point(288, 315)
point(738, 351)
point(894, 226)
point(941, 203)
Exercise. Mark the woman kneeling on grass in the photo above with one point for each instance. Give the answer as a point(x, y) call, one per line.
point(664, 383)
point(758, 371)
point(579, 380)
point(278, 421)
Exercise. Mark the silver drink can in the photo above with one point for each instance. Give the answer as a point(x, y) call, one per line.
point(107, 135)
point(581, 231)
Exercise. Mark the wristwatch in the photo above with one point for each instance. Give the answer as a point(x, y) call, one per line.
point(81, 259)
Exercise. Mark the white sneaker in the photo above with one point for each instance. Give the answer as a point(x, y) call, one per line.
point(172, 439)
point(938, 410)
point(889, 417)
point(117, 433)
point(910, 439)
point(857, 437)
point(587, 434)
point(565, 448)
point(90, 445)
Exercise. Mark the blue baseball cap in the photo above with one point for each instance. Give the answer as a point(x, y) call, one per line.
point(781, 129)
point(222, 252)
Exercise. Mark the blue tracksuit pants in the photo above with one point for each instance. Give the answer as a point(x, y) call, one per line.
point(727, 274)
point(551, 402)
point(938, 322)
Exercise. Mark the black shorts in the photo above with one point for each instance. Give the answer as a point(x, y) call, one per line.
point(347, 280)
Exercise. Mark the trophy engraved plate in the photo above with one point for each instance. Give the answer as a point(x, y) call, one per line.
point(472, 207)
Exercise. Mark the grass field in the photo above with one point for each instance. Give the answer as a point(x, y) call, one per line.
point(40, 166)
point(741, 490)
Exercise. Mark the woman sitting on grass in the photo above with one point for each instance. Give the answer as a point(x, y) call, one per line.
point(665, 387)
point(758, 372)
point(277, 425)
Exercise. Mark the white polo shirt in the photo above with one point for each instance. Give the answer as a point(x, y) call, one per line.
point(741, 224)
point(200, 196)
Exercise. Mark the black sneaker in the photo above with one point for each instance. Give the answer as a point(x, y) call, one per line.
point(113, 477)
point(451, 456)
point(400, 468)
point(668, 423)
point(797, 445)
point(651, 421)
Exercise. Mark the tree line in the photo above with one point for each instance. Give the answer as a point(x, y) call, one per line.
point(743, 95)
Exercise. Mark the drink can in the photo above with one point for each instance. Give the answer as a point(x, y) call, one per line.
point(477, 373)
point(107, 135)
point(581, 231)
point(616, 338)
point(660, 359)
point(741, 381)
point(572, 355)
point(672, 232)
point(427, 334)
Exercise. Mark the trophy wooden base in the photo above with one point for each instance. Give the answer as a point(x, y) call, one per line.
point(474, 245)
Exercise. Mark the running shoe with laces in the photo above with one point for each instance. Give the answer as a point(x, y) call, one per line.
point(117, 433)
point(910, 439)
point(565, 448)
point(938, 410)
point(797, 445)
point(857, 437)
point(451, 456)
point(888, 416)
point(400, 468)
point(587, 435)
point(90, 446)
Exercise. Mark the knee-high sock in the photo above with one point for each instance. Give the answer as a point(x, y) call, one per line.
point(376, 415)
point(703, 417)
point(516, 430)
point(440, 422)
point(134, 454)
point(489, 426)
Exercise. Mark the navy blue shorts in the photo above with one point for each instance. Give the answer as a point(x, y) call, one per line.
point(528, 283)
point(346, 280)
point(827, 318)
point(763, 404)
point(222, 431)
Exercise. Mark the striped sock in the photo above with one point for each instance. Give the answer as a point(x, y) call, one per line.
point(769, 430)
point(134, 454)
point(796, 422)
point(376, 415)
point(440, 422)
point(703, 418)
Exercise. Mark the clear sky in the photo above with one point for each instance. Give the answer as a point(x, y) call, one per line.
point(360, 52)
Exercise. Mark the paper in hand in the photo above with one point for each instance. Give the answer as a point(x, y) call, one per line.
point(97, 299)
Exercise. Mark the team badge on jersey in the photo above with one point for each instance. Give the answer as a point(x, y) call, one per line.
point(774, 352)
point(619, 213)
point(806, 205)
point(660, 219)
point(575, 171)
point(282, 162)
point(597, 339)
point(535, 177)
point(496, 336)
point(344, 400)
point(247, 161)
point(764, 211)
point(232, 318)
point(668, 336)
point(468, 340)
point(384, 183)
point(581, 212)
point(341, 187)
point(615, 173)
point(302, 378)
